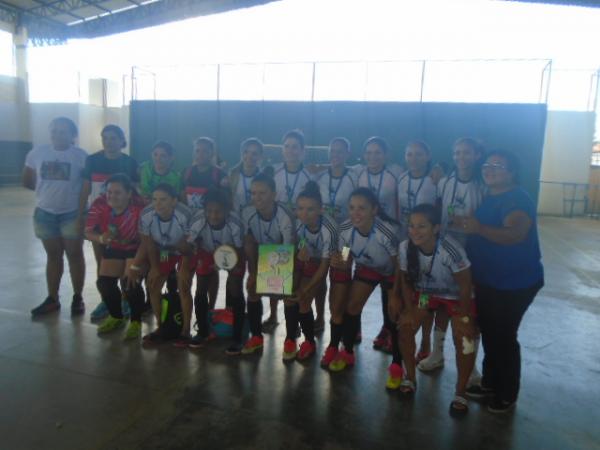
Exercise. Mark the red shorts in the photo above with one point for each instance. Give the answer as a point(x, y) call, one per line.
point(308, 268)
point(167, 266)
point(372, 277)
point(451, 306)
point(340, 276)
point(203, 264)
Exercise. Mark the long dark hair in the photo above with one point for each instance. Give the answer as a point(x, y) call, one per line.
point(413, 269)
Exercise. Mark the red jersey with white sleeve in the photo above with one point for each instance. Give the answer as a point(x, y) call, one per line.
point(123, 227)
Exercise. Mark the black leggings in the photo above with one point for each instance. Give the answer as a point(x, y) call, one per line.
point(234, 297)
point(499, 314)
point(112, 296)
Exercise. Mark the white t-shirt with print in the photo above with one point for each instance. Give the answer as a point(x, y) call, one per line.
point(58, 177)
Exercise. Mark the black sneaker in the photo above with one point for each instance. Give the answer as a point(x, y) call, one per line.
point(501, 406)
point(77, 305)
point(234, 350)
point(478, 392)
point(47, 306)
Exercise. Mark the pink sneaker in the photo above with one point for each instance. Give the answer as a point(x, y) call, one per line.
point(381, 340)
point(395, 375)
point(307, 349)
point(342, 361)
point(329, 356)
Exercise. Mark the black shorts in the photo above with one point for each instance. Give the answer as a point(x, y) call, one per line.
point(116, 253)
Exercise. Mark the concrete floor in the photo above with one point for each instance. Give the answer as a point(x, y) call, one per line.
point(62, 387)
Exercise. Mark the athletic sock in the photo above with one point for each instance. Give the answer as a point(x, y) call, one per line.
point(292, 315)
point(201, 307)
point(336, 334)
point(307, 322)
point(135, 298)
point(255, 317)
point(350, 329)
point(111, 295)
point(439, 336)
point(396, 355)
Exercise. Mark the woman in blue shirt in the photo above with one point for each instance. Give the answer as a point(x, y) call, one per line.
point(504, 251)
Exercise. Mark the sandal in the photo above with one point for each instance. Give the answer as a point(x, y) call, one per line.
point(459, 406)
point(407, 388)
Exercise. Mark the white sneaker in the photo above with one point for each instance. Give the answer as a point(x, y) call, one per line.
point(432, 362)
point(474, 378)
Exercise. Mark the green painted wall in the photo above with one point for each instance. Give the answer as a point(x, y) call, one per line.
point(516, 127)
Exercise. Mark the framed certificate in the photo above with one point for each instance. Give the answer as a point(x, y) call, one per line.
point(275, 269)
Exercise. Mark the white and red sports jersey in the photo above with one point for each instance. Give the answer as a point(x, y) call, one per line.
point(374, 250)
point(209, 238)
point(335, 193)
point(384, 184)
point(167, 234)
point(279, 230)
point(412, 192)
point(458, 198)
point(122, 227)
point(321, 243)
point(289, 184)
point(436, 271)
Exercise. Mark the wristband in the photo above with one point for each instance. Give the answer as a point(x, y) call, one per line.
point(101, 239)
point(135, 268)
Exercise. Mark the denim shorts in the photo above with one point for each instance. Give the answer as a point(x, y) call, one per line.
point(50, 226)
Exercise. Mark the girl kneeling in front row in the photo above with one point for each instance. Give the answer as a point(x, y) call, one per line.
point(317, 240)
point(210, 228)
point(370, 241)
point(112, 223)
point(434, 273)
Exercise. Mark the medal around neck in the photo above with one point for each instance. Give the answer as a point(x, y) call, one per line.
point(225, 257)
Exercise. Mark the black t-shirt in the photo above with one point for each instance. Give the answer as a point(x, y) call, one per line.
point(98, 169)
point(197, 183)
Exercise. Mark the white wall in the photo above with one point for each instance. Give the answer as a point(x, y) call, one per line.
point(13, 110)
point(89, 119)
point(566, 158)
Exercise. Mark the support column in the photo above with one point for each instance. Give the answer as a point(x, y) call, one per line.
point(20, 45)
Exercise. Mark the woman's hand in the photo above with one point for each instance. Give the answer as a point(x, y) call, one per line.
point(337, 262)
point(466, 224)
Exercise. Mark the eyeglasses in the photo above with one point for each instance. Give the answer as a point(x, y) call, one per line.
point(493, 166)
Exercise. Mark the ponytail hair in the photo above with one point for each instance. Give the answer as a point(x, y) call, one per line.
point(413, 269)
point(311, 191)
point(266, 179)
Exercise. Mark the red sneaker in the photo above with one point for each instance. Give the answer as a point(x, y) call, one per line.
point(289, 350)
point(254, 344)
point(329, 356)
point(380, 341)
point(341, 361)
point(307, 349)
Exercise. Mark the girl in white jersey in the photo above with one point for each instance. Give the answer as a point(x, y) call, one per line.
point(434, 273)
point(382, 179)
point(338, 181)
point(290, 178)
point(316, 240)
point(266, 222)
point(210, 228)
point(459, 194)
point(415, 187)
point(368, 241)
point(241, 175)
point(163, 232)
